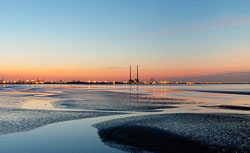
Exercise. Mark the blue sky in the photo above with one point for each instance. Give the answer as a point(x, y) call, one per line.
point(166, 38)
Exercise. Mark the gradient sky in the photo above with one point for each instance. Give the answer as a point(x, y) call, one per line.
point(99, 39)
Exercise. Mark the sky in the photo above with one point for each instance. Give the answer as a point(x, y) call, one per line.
point(99, 39)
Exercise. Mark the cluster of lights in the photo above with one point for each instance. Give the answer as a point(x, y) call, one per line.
point(22, 82)
point(89, 81)
point(100, 82)
point(31, 82)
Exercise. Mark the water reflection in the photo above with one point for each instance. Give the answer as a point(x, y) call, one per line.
point(78, 92)
point(72, 136)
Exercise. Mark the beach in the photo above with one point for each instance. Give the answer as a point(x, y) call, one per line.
point(127, 118)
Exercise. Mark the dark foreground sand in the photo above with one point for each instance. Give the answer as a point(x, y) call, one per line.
point(231, 107)
point(224, 92)
point(17, 120)
point(179, 133)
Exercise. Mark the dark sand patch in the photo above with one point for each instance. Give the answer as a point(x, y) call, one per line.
point(182, 133)
point(223, 92)
point(152, 139)
point(232, 107)
point(25, 95)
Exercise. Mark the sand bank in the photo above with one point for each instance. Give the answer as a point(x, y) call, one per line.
point(179, 133)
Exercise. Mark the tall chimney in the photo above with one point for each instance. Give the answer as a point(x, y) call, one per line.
point(130, 73)
point(137, 73)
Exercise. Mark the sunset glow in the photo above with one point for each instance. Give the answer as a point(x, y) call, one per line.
point(85, 40)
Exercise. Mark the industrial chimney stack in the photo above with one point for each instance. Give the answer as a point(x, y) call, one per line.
point(130, 81)
point(137, 79)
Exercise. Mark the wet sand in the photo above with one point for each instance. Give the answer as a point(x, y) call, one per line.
point(179, 133)
point(119, 101)
point(18, 120)
point(198, 126)
point(25, 108)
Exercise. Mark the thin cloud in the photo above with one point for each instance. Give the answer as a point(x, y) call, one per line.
point(112, 67)
point(222, 24)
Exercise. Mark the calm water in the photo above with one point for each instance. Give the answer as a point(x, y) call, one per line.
point(79, 135)
point(70, 136)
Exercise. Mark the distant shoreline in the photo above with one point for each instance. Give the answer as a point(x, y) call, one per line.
point(125, 83)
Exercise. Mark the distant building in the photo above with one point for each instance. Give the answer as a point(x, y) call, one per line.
point(136, 81)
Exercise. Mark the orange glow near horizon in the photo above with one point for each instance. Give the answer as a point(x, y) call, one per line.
point(168, 40)
point(102, 74)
